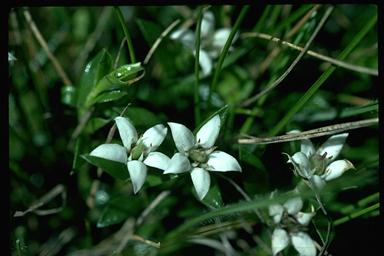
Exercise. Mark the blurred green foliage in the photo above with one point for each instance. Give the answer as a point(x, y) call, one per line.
point(52, 128)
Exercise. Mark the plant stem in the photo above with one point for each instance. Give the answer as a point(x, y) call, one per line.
point(126, 33)
point(224, 52)
point(294, 63)
point(356, 214)
point(59, 69)
point(333, 61)
point(197, 67)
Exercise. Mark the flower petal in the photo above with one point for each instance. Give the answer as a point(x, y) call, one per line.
point(318, 181)
point(154, 136)
point(280, 240)
point(332, 146)
point(157, 160)
point(302, 164)
point(205, 62)
point(185, 36)
point(207, 24)
point(220, 38)
point(276, 212)
point(127, 131)
point(307, 147)
point(303, 243)
point(293, 205)
point(336, 169)
point(220, 161)
point(207, 134)
point(201, 181)
point(304, 217)
point(183, 137)
point(113, 152)
point(138, 172)
point(179, 163)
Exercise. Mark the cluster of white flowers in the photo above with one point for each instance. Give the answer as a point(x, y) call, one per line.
point(212, 42)
point(316, 167)
point(291, 226)
point(196, 154)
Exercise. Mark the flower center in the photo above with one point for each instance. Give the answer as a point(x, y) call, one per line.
point(137, 151)
point(318, 163)
point(289, 222)
point(198, 155)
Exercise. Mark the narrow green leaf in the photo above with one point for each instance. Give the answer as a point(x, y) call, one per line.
point(314, 88)
point(224, 51)
point(286, 23)
point(149, 29)
point(228, 210)
point(197, 67)
point(116, 169)
point(77, 161)
point(126, 33)
point(354, 111)
point(356, 214)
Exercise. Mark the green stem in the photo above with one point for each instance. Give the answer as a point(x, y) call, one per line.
point(356, 214)
point(224, 52)
point(314, 88)
point(197, 67)
point(126, 33)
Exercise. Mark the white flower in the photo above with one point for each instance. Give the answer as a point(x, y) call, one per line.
point(198, 156)
point(290, 227)
point(211, 43)
point(319, 165)
point(137, 153)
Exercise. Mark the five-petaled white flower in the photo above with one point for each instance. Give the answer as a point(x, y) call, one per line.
point(291, 226)
point(319, 165)
point(198, 156)
point(136, 152)
point(211, 41)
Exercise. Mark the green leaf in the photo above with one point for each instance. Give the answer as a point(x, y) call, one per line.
point(110, 96)
point(116, 169)
point(213, 198)
point(150, 30)
point(117, 80)
point(142, 117)
point(119, 209)
point(95, 124)
point(96, 69)
point(77, 161)
point(354, 111)
point(154, 180)
point(247, 155)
